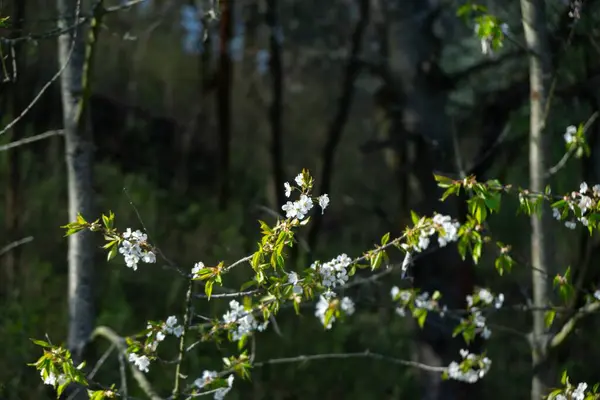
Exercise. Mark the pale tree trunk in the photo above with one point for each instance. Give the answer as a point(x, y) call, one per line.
point(78, 149)
point(536, 37)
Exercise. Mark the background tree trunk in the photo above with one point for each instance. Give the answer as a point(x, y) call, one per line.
point(78, 152)
point(534, 25)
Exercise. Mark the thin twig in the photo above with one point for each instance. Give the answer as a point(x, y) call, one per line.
point(12, 245)
point(31, 139)
point(568, 154)
point(91, 375)
point(123, 390)
point(50, 82)
point(186, 324)
point(118, 341)
point(364, 354)
point(155, 245)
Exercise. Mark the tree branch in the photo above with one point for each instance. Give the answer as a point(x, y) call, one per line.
point(343, 356)
point(30, 139)
point(119, 342)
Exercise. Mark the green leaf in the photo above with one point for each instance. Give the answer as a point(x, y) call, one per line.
point(415, 218)
point(493, 202)
point(247, 285)
point(208, 287)
point(421, 315)
point(385, 239)
point(376, 261)
point(549, 317)
point(455, 189)
point(41, 343)
point(112, 253)
point(476, 252)
point(443, 181)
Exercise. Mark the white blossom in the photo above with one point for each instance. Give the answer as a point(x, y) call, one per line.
point(569, 135)
point(579, 392)
point(584, 203)
point(300, 180)
point(333, 273)
point(471, 375)
point(52, 379)
point(221, 392)
point(298, 209)
point(597, 295)
point(571, 224)
point(556, 214)
point(583, 187)
point(486, 296)
point(321, 310)
point(423, 301)
point(596, 190)
point(243, 321)
point(207, 377)
point(323, 202)
point(288, 189)
point(293, 279)
point(196, 270)
point(346, 305)
point(141, 362)
point(132, 250)
point(499, 300)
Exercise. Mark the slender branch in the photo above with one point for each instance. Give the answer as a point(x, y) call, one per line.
point(12, 245)
point(30, 139)
point(568, 327)
point(186, 324)
point(170, 263)
point(228, 295)
point(123, 389)
point(343, 356)
point(119, 342)
point(563, 161)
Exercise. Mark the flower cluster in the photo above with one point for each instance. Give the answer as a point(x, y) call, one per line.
point(300, 208)
point(471, 369)
point(486, 298)
point(577, 393)
point(327, 307)
point(243, 321)
point(446, 229)
point(333, 273)
point(585, 199)
point(157, 332)
point(476, 319)
point(135, 248)
point(423, 301)
point(210, 376)
point(52, 379)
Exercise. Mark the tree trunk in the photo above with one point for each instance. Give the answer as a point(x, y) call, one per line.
point(536, 37)
point(78, 152)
